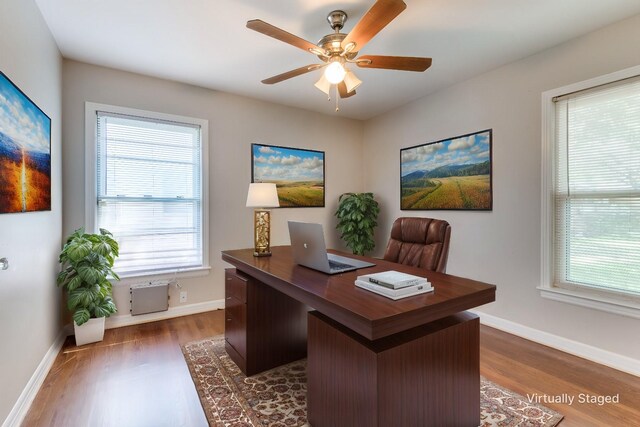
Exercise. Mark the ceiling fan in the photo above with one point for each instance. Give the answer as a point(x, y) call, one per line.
point(337, 49)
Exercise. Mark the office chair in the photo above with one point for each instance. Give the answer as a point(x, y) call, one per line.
point(419, 242)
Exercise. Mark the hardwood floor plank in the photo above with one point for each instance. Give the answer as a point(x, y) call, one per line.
point(530, 368)
point(137, 377)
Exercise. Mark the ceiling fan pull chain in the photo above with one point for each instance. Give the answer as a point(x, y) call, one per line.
point(337, 98)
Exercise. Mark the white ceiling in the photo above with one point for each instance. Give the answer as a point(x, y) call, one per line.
point(205, 42)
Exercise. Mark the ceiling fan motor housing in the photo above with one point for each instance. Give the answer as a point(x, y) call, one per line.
point(332, 43)
point(336, 19)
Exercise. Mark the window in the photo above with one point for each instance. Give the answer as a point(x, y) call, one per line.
point(149, 170)
point(593, 197)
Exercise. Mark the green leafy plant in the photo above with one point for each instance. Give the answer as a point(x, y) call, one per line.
point(357, 217)
point(87, 261)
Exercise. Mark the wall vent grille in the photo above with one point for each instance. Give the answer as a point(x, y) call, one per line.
point(149, 297)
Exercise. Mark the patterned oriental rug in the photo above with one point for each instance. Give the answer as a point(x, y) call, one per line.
point(277, 398)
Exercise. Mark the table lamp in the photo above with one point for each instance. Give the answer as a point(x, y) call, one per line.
point(260, 197)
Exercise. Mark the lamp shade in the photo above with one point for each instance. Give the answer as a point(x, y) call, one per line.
point(323, 84)
point(351, 81)
point(262, 195)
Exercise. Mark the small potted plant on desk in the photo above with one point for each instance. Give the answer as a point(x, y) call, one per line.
point(87, 262)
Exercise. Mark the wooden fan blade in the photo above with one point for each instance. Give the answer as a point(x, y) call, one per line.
point(342, 90)
point(275, 32)
point(404, 63)
point(290, 74)
point(378, 17)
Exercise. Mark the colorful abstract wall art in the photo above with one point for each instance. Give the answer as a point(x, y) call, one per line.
point(25, 152)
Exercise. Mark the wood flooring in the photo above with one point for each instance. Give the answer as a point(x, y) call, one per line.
point(137, 377)
point(530, 368)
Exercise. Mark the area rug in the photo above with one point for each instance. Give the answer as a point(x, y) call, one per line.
point(277, 398)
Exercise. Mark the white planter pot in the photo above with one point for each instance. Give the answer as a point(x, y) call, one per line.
point(92, 331)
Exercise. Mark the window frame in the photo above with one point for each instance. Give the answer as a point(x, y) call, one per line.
point(91, 190)
point(599, 299)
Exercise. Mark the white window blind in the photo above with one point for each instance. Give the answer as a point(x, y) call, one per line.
point(149, 192)
point(597, 189)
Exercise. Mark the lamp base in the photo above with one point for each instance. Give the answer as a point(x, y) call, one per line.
point(262, 232)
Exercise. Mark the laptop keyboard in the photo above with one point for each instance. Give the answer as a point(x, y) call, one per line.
point(335, 265)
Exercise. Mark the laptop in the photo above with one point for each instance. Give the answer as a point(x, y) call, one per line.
point(309, 250)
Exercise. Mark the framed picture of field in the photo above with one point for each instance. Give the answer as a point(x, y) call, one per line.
point(25, 152)
point(452, 174)
point(297, 173)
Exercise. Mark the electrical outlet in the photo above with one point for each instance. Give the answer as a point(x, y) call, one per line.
point(183, 296)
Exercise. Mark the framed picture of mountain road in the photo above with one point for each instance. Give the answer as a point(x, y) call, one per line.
point(451, 174)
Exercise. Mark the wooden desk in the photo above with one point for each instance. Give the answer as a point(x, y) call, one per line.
point(372, 361)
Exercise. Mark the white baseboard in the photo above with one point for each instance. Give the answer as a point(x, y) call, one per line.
point(119, 321)
point(22, 405)
point(603, 357)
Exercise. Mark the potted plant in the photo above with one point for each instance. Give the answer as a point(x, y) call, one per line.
point(357, 217)
point(87, 262)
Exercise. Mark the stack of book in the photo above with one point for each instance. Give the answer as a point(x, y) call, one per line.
point(394, 284)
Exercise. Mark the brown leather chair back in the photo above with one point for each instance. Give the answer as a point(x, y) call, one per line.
point(419, 242)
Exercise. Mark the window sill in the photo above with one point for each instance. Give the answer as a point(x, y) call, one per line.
point(182, 274)
point(590, 300)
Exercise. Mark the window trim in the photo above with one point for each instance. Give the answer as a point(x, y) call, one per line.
point(91, 190)
point(609, 301)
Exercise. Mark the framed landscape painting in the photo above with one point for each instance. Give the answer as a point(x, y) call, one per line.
point(297, 173)
point(451, 174)
point(25, 152)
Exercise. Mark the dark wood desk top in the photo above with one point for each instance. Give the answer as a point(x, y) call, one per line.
point(370, 315)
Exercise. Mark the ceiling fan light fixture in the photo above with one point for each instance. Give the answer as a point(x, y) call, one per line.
point(324, 85)
point(335, 72)
point(351, 81)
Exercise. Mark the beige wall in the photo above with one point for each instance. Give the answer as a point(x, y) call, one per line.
point(503, 246)
point(234, 123)
point(29, 299)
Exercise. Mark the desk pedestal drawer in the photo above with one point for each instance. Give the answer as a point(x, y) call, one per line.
point(235, 285)
point(235, 356)
point(264, 328)
point(236, 325)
